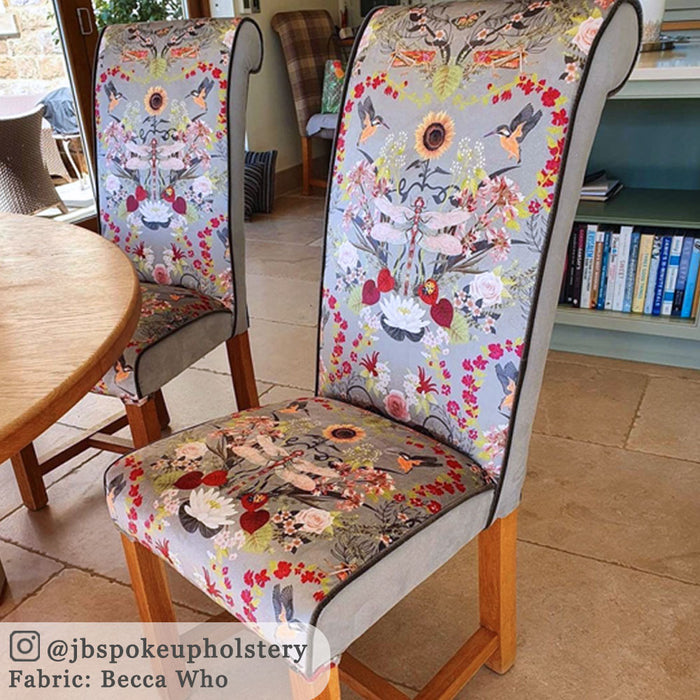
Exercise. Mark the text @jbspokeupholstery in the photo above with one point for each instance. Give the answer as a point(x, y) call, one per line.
point(126, 656)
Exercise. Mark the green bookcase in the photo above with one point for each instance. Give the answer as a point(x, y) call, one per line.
point(648, 137)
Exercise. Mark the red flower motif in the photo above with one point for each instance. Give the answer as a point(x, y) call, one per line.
point(559, 118)
point(248, 577)
point(358, 91)
point(495, 351)
point(434, 507)
point(284, 568)
point(549, 96)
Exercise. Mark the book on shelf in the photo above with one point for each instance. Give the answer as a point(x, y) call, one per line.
point(682, 281)
point(653, 274)
point(692, 285)
point(646, 243)
point(598, 187)
point(587, 276)
point(603, 284)
point(633, 269)
point(630, 276)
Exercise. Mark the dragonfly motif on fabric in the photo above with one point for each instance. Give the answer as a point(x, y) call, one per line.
point(267, 457)
point(420, 228)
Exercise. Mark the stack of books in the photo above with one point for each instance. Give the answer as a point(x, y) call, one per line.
point(633, 269)
point(598, 187)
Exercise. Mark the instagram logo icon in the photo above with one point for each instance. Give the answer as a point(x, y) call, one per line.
point(25, 645)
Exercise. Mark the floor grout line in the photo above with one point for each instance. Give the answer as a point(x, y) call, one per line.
point(610, 562)
point(616, 447)
point(637, 411)
point(91, 572)
point(33, 593)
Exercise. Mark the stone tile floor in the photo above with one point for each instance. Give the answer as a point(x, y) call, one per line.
point(609, 547)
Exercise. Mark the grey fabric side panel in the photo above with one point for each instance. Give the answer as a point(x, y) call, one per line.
point(609, 67)
point(164, 360)
point(364, 601)
point(246, 59)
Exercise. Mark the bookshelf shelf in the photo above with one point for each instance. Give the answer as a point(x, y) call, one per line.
point(636, 323)
point(645, 207)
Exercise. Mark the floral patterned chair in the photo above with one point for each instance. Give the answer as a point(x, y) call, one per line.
point(170, 104)
point(445, 242)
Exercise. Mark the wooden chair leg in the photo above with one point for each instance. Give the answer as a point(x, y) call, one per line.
point(497, 580)
point(315, 690)
point(29, 478)
point(241, 362)
point(162, 409)
point(144, 422)
point(150, 583)
point(306, 159)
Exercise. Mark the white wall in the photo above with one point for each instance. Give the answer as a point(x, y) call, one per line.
point(272, 120)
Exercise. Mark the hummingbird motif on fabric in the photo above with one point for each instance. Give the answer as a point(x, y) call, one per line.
point(512, 135)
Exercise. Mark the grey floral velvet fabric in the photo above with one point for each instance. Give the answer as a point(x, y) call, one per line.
point(451, 143)
point(270, 510)
point(161, 121)
point(449, 151)
point(164, 311)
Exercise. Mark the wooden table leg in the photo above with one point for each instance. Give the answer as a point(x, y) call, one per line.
point(29, 478)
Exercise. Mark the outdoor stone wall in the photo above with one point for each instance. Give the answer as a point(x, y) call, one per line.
point(31, 64)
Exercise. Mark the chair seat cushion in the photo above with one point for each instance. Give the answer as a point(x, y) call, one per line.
point(177, 326)
point(322, 125)
point(272, 511)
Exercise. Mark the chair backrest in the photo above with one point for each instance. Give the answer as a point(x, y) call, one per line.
point(465, 133)
point(170, 105)
point(25, 184)
point(307, 38)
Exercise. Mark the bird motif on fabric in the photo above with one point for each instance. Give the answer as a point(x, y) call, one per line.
point(113, 95)
point(283, 605)
point(370, 120)
point(407, 462)
point(508, 377)
point(512, 135)
point(199, 96)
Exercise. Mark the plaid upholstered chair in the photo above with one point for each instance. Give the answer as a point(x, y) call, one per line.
point(445, 242)
point(170, 105)
point(307, 39)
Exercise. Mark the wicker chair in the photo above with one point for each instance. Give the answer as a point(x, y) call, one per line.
point(307, 39)
point(25, 183)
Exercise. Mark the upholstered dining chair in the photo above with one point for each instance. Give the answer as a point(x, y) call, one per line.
point(445, 241)
point(308, 40)
point(170, 105)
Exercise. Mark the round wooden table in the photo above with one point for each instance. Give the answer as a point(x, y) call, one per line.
point(69, 304)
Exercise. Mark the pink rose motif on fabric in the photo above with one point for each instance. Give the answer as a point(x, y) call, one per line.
point(587, 31)
point(396, 406)
point(314, 520)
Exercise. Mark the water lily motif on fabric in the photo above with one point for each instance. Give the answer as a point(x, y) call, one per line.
point(272, 509)
point(435, 237)
point(161, 113)
point(161, 110)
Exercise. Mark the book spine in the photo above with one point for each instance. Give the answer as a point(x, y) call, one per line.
point(674, 261)
point(571, 267)
point(653, 274)
point(600, 304)
point(578, 271)
point(613, 260)
point(661, 276)
point(587, 277)
point(642, 279)
point(682, 281)
point(631, 275)
point(692, 285)
point(597, 265)
point(623, 257)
